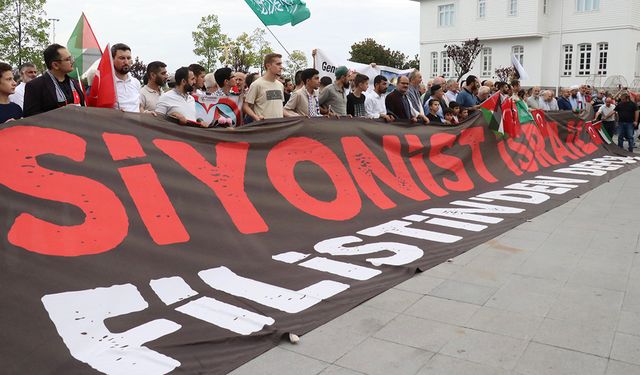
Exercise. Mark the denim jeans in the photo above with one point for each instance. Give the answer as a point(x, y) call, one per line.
point(625, 130)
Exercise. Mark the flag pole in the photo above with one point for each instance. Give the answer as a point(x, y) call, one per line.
point(279, 42)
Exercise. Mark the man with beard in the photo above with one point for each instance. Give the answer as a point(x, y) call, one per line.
point(127, 86)
point(198, 72)
point(151, 92)
point(548, 102)
point(333, 99)
point(28, 72)
point(534, 100)
point(178, 103)
point(374, 102)
point(466, 97)
point(53, 89)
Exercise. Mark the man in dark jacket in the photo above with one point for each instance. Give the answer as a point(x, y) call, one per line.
point(398, 104)
point(54, 88)
point(563, 101)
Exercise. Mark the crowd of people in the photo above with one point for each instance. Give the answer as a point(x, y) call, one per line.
point(438, 101)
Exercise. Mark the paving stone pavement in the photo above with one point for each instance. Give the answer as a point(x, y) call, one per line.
point(557, 295)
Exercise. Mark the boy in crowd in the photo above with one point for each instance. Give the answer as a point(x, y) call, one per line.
point(8, 110)
point(356, 99)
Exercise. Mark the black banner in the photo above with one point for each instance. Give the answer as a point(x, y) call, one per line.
point(135, 246)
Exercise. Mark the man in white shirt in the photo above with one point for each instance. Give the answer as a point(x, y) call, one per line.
point(127, 86)
point(548, 102)
point(28, 72)
point(534, 100)
point(178, 102)
point(156, 78)
point(374, 102)
point(453, 88)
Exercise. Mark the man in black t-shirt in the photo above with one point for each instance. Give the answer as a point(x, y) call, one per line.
point(627, 120)
point(355, 100)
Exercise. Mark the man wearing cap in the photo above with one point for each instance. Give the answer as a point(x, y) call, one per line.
point(333, 99)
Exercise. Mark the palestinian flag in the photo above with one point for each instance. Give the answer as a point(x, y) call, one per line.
point(492, 112)
point(84, 47)
point(602, 132)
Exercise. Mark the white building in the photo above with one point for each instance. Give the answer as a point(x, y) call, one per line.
point(559, 42)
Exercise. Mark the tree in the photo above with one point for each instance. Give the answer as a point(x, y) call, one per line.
point(138, 69)
point(23, 32)
point(504, 73)
point(464, 55)
point(297, 61)
point(369, 51)
point(208, 40)
point(246, 51)
point(413, 63)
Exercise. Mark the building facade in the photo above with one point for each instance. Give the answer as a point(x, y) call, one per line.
point(559, 42)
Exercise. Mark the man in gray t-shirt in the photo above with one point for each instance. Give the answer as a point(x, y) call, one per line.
point(333, 99)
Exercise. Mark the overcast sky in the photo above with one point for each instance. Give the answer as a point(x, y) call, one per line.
point(161, 29)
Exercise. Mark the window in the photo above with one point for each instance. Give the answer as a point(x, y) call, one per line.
point(445, 15)
point(513, 7)
point(486, 62)
point(518, 52)
point(482, 8)
point(587, 5)
point(568, 60)
point(446, 65)
point(545, 6)
point(584, 59)
point(603, 52)
point(434, 64)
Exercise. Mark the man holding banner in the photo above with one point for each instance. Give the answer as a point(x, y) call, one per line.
point(178, 103)
point(305, 101)
point(266, 95)
point(333, 99)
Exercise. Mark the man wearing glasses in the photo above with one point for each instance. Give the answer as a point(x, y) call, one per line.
point(54, 88)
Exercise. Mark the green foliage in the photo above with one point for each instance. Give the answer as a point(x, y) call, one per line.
point(208, 40)
point(138, 69)
point(297, 61)
point(369, 51)
point(413, 63)
point(246, 51)
point(23, 32)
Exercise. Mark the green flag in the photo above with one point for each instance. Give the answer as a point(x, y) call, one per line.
point(83, 46)
point(524, 116)
point(280, 12)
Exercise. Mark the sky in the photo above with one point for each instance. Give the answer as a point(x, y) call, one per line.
point(161, 30)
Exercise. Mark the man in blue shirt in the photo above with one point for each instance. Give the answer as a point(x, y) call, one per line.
point(466, 98)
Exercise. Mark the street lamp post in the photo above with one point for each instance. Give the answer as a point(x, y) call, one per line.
point(53, 27)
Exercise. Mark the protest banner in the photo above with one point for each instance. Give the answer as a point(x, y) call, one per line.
point(135, 246)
